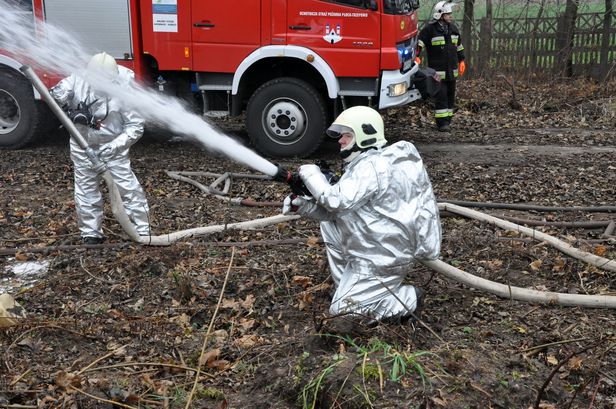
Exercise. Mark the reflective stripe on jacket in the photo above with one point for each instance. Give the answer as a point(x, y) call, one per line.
point(444, 47)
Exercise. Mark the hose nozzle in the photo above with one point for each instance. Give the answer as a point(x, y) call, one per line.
point(293, 180)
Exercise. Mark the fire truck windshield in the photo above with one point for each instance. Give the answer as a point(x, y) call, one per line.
point(400, 6)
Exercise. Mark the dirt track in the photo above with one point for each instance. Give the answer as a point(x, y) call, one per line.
point(146, 310)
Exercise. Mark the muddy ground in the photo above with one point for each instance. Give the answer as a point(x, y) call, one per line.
point(124, 325)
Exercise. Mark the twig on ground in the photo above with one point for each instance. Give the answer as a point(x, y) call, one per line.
point(92, 275)
point(128, 364)
point(557, 367)
point(111, 402)
point(20, 377)
point(594, 393)
point(478, 388)
point(530, 311)
point(209, 330)
point(82, 370)
point(538, 347)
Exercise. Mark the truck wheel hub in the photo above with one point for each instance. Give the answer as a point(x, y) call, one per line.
point(9, 113)
point(284, 120)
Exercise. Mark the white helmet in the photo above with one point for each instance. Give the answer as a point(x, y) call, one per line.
point(365, 124)
point(103, 65)
point(442, 7)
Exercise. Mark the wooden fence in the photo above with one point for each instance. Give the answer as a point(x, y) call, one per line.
point(527, 46)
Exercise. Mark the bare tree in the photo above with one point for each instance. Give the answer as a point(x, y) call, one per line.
point(467, 31)
point(605, 42)
point(485, 40)
point(566, 33)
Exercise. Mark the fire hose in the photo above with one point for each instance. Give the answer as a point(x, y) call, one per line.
point(294, 182)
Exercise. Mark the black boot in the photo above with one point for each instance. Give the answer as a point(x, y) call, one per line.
point(93, 240)
point(442, 124)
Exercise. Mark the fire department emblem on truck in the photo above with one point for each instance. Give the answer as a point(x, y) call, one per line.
point(332, 34)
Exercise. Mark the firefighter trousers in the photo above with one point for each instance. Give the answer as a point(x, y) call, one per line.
point(444, 102)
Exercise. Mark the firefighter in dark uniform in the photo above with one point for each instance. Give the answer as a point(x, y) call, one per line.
point(441, 38)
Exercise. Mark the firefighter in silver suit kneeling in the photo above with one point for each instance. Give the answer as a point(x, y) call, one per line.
point(375, 221)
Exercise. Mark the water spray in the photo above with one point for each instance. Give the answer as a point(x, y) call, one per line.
point(97, 164)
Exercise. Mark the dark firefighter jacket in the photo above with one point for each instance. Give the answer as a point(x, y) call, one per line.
point(444, 46)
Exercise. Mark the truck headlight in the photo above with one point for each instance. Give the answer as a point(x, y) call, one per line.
point(395, 90)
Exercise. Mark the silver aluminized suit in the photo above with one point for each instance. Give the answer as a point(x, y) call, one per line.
point(119, 129)
point(379, 218)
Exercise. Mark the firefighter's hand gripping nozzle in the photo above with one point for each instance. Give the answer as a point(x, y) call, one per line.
point(295, 182)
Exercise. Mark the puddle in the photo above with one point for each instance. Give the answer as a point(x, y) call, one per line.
point(21, 274)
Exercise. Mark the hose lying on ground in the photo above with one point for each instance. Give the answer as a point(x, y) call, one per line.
point(501, 290)
point(518, 293)
point(584, 256)
point(117, 208)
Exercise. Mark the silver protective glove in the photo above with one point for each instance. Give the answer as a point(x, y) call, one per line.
point(314, 179)
point(301, 205)
point(110, 150)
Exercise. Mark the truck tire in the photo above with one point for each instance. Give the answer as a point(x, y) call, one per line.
point(286, 117)
point(20, 115)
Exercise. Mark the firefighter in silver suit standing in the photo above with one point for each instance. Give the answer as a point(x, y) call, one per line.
point(376, 220)
point(441, 38)
point(110, 130)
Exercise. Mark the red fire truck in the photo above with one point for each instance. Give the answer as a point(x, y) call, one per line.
point(290, 65)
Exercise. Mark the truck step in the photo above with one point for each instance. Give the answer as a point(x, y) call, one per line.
point(216, 114)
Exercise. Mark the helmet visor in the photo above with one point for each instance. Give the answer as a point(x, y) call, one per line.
point(336, 130)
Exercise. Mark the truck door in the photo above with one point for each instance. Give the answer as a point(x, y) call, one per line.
point(346, 33)
point(224, 33)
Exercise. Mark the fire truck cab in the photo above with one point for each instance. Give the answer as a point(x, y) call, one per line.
point(289, 65)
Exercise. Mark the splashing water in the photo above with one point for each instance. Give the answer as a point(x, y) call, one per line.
point(54, 50)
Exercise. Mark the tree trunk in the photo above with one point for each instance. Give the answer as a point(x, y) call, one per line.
point(564, 62)
point(467, 33)
point(485, 40)
point(532, 65)
point(605, 42)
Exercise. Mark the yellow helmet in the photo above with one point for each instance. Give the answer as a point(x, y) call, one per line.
point(364, 122)
point(103, 65)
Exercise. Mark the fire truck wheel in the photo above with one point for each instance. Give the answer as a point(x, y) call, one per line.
point(286, 117)
point(19, 114)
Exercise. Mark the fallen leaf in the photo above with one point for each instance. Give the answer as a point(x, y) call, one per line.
point(575, 363)
point(19, 256)
point(247, 324)
point(248, 341)
point(67, 379)
point(210, 355)
point(559, 264)
point(313, 241)
point(494, 264)
point(535, 265)
point(226, 303)
point(249, 302)
point(600, 250)
point(552, 360)
point(305, 300)
point(219, 364)
point(304, 281)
